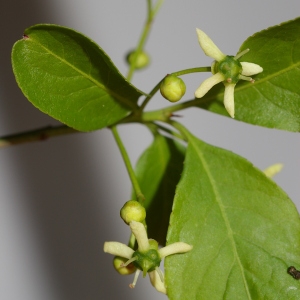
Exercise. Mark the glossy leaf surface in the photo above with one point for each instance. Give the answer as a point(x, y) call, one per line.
point(244, 229)
point(69, 77)
point(274, 99)
point(158, 171)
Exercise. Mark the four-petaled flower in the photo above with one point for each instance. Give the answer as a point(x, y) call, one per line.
point(147, 257)
point(226, 69)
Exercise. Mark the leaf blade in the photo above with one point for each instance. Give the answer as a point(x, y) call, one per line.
point(158, 172)
point(66, 75)
point(243, 228)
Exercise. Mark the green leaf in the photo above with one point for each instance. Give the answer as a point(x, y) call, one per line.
point(274, 99)
point(68, 76)
point(158, 171)
point(244, 230)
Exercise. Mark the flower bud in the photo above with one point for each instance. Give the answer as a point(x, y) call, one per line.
point(172, 88)
point(123, 270)
point(133, 211)
point(142, 59)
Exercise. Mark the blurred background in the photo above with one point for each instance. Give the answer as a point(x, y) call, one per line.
point(60, 198)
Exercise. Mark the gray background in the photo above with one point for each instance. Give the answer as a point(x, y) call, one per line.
point(60, 199)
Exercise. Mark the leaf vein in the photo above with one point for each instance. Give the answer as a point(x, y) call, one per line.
point(87, 76)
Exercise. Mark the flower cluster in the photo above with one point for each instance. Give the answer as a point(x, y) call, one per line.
point(147, 257)
point(226, 69)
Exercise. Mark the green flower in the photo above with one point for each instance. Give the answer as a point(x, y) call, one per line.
point(227, 69)
point(147, 257)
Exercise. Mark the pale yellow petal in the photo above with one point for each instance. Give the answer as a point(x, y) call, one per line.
point(273, 170)
point(174, 248)
point(207, 84)
point(118, 249)
point(229, 98)
point(156, 282)
point(250, 69)
point(208, 46)
point(139, 231)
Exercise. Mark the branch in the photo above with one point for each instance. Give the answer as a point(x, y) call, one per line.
point(35, 135)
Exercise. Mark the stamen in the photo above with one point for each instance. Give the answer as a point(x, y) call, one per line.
point(246, 78)
point(129, 261)
point(160, 274)
point(229, 80)
point(241, 53)
point(136, 276)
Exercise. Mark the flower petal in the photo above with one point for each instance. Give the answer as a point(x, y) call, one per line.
point(139, 231)
point(174, 248)
point(229, 98)
point(207, 84)
point(156, 282)
point(118, 249)
point(250, 68)
point(208, 46)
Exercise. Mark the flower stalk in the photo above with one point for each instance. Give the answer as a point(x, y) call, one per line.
point(135, 184)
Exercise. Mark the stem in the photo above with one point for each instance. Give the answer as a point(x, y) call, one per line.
point(139, 195)
point(162, 114)
point(192, 70)
point(41, 134)
point(178, 73)
point(157, 7)
point(167, 112)
point(131, 241)
point(145, 33)
point(171, 132)
point(180, 128)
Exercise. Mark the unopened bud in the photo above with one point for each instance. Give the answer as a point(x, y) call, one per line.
point(172, 88)
point(119, 266)
point(133, 211)
point(142, 59)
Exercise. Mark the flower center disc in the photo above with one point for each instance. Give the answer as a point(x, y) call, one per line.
point(230, 68)
point(147, 261)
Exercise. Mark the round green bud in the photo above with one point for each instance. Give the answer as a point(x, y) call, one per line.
point(142, 59)
point(172, 88)
point(118, 265)
point(133, 211)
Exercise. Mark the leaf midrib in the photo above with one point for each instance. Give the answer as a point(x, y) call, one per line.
point(223, 212)
point(94, 81)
